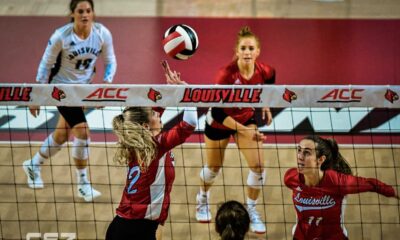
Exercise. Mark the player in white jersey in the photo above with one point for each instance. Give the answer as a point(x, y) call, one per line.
point(70, 58)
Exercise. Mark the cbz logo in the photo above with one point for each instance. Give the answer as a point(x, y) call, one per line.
point(20, 94)
point(51, 236)
point(107, 95)
point(343, 95)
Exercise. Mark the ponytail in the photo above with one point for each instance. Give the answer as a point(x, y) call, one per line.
point(134, 141)
point(330, 149)
point(232, 221)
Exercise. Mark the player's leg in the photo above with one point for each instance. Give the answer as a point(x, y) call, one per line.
point(253, 153)
point(80, 150)
point(215, 145)
point(51, 146)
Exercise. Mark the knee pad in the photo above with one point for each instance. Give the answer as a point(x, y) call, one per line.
point(80, 148)
point(256, 180)
point(49, 147)
point(207, 175)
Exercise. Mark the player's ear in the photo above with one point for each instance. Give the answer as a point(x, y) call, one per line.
point(321, 160)
point(146, 126)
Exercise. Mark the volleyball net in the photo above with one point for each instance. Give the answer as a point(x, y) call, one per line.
point(365, 121)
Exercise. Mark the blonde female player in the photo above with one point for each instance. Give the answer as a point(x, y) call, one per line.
point(70, 58)
point(147, 152)
point(222, 123)
point(320, 183)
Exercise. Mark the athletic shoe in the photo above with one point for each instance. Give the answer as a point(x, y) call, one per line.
point(203, 214)
point(86, 192)
point(33, 174)
point(256, 224)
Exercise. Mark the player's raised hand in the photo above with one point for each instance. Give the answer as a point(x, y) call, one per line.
point(172, 77)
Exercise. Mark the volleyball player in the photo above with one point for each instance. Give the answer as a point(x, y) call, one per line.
point(320, 183)
point(70, 58)
point(147, 153)
point(232, 221)
point(222, 123)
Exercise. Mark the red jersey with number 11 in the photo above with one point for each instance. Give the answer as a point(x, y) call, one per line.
point(320, 208)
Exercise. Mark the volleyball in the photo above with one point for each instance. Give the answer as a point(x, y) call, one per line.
point(180, 42)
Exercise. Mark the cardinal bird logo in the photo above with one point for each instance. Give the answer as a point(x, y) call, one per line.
point(391, 96)
point(58, 94)
point(289, 96)
point(154, 95)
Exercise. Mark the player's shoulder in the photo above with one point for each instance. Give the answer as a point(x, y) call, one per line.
point(291, 172)
point(291, 177)
point(264, 66)
point(267, 72)
point(65, 30)
point(229, 69)
point(100, 28)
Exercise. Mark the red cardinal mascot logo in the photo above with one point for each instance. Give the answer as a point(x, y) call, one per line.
point(58, 94)
point(154, 95)
point(289, 96)
point(391, 96)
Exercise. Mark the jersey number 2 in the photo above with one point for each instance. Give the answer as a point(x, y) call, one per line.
point(134, 174)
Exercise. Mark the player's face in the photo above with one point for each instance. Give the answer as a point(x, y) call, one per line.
point(306, 157)
point(155, 124)
point(247, 51)
point(83, 14)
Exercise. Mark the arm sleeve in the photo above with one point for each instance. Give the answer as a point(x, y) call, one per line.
point(110, 61)
point(353, 184)
point(49, 58)
point(175, 136)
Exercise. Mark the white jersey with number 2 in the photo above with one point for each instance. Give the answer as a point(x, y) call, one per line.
point(78, 57)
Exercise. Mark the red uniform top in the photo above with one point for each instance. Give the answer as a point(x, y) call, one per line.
point(320, 208)
point(230, 75)
point(147, 194)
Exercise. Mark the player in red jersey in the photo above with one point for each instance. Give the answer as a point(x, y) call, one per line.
point(320, 184)
point(222, 123)
point(147, 152)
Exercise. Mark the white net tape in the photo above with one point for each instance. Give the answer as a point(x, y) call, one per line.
point(335, 96)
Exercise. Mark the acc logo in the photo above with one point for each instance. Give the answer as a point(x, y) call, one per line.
point(391, 96)
point(154, 95)
point(343, 95)
point(15, 94)
point(58, 94)
point(107, 95)
point(289, 96)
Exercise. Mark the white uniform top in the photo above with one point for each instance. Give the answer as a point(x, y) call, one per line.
point(78, 56)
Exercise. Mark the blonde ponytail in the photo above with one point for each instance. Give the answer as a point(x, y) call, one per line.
point(134, 140)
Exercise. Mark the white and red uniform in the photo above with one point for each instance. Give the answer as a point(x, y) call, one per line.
point(230, 75)
point(320, 208)
point(147, 194)
point(73, 59)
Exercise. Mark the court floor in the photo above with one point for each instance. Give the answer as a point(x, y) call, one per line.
point(56, 208)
